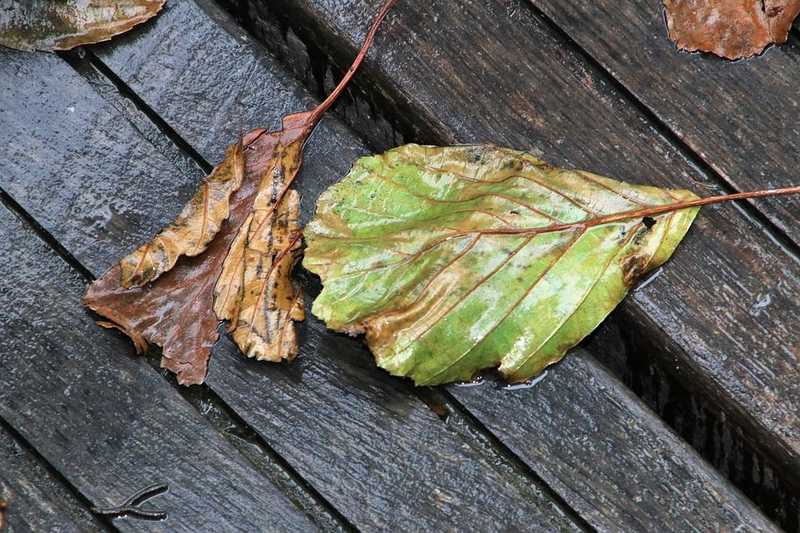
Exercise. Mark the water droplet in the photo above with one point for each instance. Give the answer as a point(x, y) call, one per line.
point(650, 279)
point(525, 384)
point(477, 382)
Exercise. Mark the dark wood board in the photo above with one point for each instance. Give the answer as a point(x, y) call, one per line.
point(576, 448)
point(107, 422)
point(493, 71)
point(36, 499)
point(366, 442)
point(740, 117)
point(335, 366)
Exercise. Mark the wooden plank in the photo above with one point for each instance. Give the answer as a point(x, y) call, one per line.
point(492, 71)
point(737, 116)
point(576, 448)
point(37, 500)
point(109, 423)
point(364, 441)
point(694, 487)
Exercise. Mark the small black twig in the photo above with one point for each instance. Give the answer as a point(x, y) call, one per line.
point(131, 506)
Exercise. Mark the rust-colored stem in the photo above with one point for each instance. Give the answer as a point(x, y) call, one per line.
point(316, 114)
point(368, 40)
point(647, 211)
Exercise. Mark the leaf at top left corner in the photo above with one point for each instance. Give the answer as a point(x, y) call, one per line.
point(61, 25)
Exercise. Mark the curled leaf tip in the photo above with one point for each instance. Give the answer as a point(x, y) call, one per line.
point(193, 229)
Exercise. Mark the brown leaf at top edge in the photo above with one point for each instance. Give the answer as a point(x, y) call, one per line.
point(48, 25)
point(194, 228)
point(733, 29)
point(176, 311)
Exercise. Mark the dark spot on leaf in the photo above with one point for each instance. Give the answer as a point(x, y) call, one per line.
point(649, 222)
point(633, 267)
point(640, 235)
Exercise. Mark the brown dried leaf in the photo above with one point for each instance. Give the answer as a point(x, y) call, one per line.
point(268, 261)
point(49, 25)
point(202, 269)
point(733, 29)
point(194, 228)
point(258, 269)
point(228, 291)
point(177, 310)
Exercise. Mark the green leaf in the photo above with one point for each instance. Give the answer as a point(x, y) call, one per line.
point(64, 24)
point(456, 259)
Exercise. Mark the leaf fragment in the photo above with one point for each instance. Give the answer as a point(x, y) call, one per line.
point(270, 250)
point(64, 24)
point(177, 310)
point(194, 228)
point(228, 256)
point(453, 260)
point(733, 29)
point(4, 499)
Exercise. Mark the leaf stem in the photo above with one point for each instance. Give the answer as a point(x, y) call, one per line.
point(311, 118)
point(647, 211)
point(368, 40)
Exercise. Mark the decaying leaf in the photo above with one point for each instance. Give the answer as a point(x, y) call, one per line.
point(732, 29)
point(264, 275)
point(176, 310)
point(194, 228)
point(65, 24)
point(452, 260)
point(228, 256)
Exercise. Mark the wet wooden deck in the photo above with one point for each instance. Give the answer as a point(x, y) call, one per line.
point(682, 413)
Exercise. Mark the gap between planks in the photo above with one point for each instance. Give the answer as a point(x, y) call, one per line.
point(288, 17)
point(229, 425)
point(79, 498)
point(458, 417)
point(266, 459)
point(294, 23)
point(747, 208)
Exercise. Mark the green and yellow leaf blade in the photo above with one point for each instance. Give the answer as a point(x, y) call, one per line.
point(456, 259)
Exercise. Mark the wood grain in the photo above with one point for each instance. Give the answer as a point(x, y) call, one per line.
point(494, 71)
point(107, 422)
point(578, 449)
point(365, 442)
point(739, 117)
point(36, 499)
point(333, 395)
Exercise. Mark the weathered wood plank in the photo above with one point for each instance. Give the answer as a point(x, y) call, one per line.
point(364, 441)
point(109, 423)
point(492, 71)
point(694, 487)
point(37, 500)
point(738, 116)
point(576, 447)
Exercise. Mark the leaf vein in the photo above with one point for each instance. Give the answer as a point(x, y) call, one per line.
point(516, 304)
